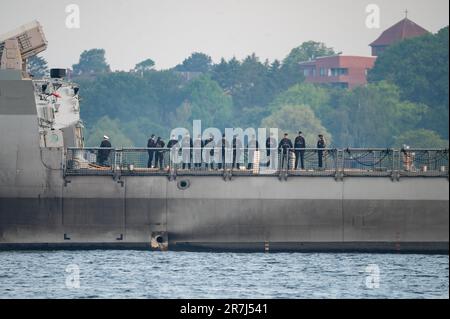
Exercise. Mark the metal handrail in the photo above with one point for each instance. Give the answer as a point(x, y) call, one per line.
point(312, 161)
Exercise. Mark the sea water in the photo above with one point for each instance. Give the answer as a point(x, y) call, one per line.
point(146, 274)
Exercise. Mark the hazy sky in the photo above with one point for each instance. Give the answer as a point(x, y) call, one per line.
point(170, 30)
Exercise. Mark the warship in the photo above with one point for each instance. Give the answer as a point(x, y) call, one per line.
point(56, 194)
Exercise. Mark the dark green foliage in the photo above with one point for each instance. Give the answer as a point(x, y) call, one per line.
point(291, 118)
point(309, 50)
point(372, 116)
point(145, 65)
point(205, 100)
point(419, 67)
point(420, 138)
point(37, 67)
point(92, 62)
point(394, 109)
point(197, 62)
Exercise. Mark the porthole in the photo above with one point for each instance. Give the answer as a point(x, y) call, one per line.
point(184, 184)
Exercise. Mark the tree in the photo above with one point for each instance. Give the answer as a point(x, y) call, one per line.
point(112, 128)
point(168, 87)
point(144, 104)
point(292, 118)
point(373, 116)
point(145, 65)
point(140, 129)
point(421, 138)
point(253, 86)
point(420, 68)
point(92, 62)
point(207, 102)
point(121, 95)
point(227, 74)
point(305, 52)
point(316, 97)
point(37, 67)
point(197, 62)
point(250, 116)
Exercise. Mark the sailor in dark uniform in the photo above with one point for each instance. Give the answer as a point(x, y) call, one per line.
point(284, 148)
point(300, 145)
point(320, 145)
point(198, 147)
point(271, 145)
point(173, 147)
point(160, 153)
point(208, 154)
point(103, 153)
point(186, 145)
point(222, 148)
point(151, 143)
point(237, 152)
point(252, 148)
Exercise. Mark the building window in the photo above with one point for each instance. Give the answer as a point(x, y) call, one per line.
point(306, 72)
point(339, 71)
point(323, 72)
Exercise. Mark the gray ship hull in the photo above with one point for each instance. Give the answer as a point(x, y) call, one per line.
point(245, 214)
point(42, 208)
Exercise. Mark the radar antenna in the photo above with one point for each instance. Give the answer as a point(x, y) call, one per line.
point(18, 45)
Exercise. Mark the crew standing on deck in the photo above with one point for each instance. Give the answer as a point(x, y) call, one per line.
point(160, 153)
point(186, 150)
point(103, 153)
point(173, 147)
point(284, 148)
point(300, 145)
point(151, 143)
point(320, 145)
point(221, 150)
point(252, 148)
point(208, 154)
point(271, 146)
point(237, 151)
point(198, 147)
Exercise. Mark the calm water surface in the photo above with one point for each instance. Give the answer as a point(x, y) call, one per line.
point(140, 274)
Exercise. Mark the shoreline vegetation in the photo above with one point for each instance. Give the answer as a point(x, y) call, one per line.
point(405, 102)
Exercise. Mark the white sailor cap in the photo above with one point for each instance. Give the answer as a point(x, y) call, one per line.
point(106, 137)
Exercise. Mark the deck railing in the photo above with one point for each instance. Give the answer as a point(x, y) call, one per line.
point(253, 162)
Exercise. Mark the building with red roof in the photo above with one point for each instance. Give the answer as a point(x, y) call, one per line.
point(350, 71)
point(338, 70)
point(402, 30)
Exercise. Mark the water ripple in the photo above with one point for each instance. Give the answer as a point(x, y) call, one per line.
point(139, 274)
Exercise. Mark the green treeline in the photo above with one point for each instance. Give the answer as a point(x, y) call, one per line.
point(405, 102)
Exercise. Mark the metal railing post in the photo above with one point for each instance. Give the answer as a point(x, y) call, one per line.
point(365, 162)
point(339, 170)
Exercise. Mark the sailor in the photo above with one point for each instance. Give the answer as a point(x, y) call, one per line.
point(222, 148)
point(159, 160)
point(271, 145)
point(173, 146)
point(173, 142)
point(103, 153)
point(284, 148)
point(237, 151)
point(252, 147)
point(320, 145)
point(186, 146)
point(208, 150)
point(300, 145)
point(151, 143)
point(198, 146)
